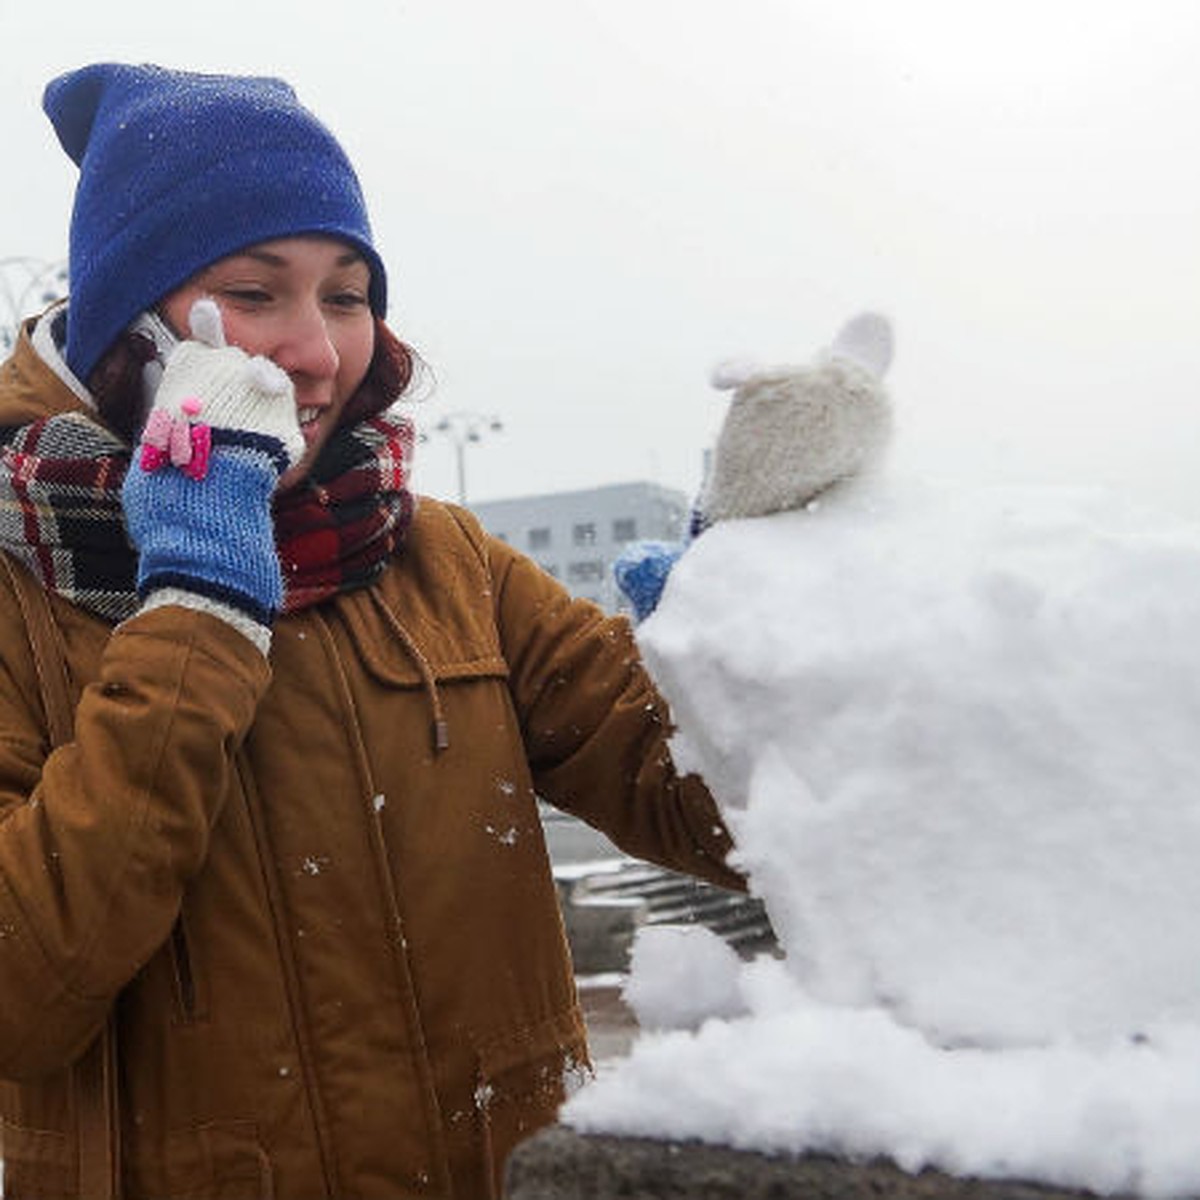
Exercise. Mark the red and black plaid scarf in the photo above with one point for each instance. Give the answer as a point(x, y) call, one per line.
point(61, 514)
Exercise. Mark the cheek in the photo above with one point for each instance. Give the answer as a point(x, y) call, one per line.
point(254, 337)
point(175, 309)
point(354, 348)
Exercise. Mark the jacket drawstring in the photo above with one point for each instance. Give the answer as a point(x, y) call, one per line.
point(441, 729)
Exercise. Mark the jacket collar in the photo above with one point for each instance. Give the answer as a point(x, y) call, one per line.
point(48, 337)
point(35, 381)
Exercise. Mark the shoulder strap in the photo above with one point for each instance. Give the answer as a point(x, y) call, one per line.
point(49, 653)
point(95, 1073)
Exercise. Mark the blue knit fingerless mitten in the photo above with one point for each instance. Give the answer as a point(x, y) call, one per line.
point(212, 536)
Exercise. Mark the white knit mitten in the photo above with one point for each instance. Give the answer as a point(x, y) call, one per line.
point(222, 430)
point(792, 432)
point(235, 391)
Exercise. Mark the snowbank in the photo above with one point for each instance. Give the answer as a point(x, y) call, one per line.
point(955, 734)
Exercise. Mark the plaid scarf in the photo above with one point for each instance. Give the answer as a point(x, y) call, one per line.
point(61, 514)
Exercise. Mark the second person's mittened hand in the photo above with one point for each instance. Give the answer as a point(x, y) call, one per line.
point(641, 572)
point(197, 497)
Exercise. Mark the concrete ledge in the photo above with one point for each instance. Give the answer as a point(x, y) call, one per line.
point(559, 1164)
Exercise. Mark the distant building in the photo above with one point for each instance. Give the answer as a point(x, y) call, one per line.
point(576, 536)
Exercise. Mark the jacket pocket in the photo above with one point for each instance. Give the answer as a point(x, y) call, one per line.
point(39, 1164)
point(398, 655)
point(522, 1081)
point(219, 1161)
point(191, 996)
point(401, 661)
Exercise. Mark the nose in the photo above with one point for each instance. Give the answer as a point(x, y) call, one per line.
point(306, 350)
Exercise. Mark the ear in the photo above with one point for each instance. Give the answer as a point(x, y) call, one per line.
point(865, 340)
point(729, 375)
point(205, 323)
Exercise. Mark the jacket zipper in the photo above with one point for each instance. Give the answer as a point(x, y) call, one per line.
point(291, 976)
point(387, 889)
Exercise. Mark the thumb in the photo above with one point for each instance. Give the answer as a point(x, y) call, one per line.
point(866, 340)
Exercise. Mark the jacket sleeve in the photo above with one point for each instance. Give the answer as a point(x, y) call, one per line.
point(99, 838)
point(596, 729)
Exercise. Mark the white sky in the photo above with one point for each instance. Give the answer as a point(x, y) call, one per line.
point(584, 206)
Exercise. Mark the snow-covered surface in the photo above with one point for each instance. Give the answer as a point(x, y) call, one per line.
point(956, 734)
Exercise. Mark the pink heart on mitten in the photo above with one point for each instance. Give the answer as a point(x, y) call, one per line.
point(175, 440)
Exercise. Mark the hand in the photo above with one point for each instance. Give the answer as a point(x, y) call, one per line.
point(641, 572)
point(197, 497)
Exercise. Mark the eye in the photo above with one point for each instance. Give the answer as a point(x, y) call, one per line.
point(247, 295)
point(346, 299)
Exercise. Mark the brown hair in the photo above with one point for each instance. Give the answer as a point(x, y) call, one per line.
point(116, 381)
point(116, 384)
point(392, 367)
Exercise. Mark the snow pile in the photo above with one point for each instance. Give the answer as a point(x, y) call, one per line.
point(955, 734)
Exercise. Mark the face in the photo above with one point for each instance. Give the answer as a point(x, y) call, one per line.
point(303, 303)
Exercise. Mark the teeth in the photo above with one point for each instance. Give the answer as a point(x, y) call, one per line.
point(305, 415)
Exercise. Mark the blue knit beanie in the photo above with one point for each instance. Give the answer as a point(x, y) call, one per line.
point(178, 170)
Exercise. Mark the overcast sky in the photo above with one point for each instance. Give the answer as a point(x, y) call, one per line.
point(585, 204)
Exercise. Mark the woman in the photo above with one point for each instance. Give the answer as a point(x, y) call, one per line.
point(287, 867)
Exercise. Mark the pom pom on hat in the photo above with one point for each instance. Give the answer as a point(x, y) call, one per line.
point(179, 170)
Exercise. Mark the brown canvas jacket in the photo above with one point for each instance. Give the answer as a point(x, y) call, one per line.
point(315, 891)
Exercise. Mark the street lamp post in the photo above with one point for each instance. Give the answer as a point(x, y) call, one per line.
point(463, 428)
point(26, 284)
